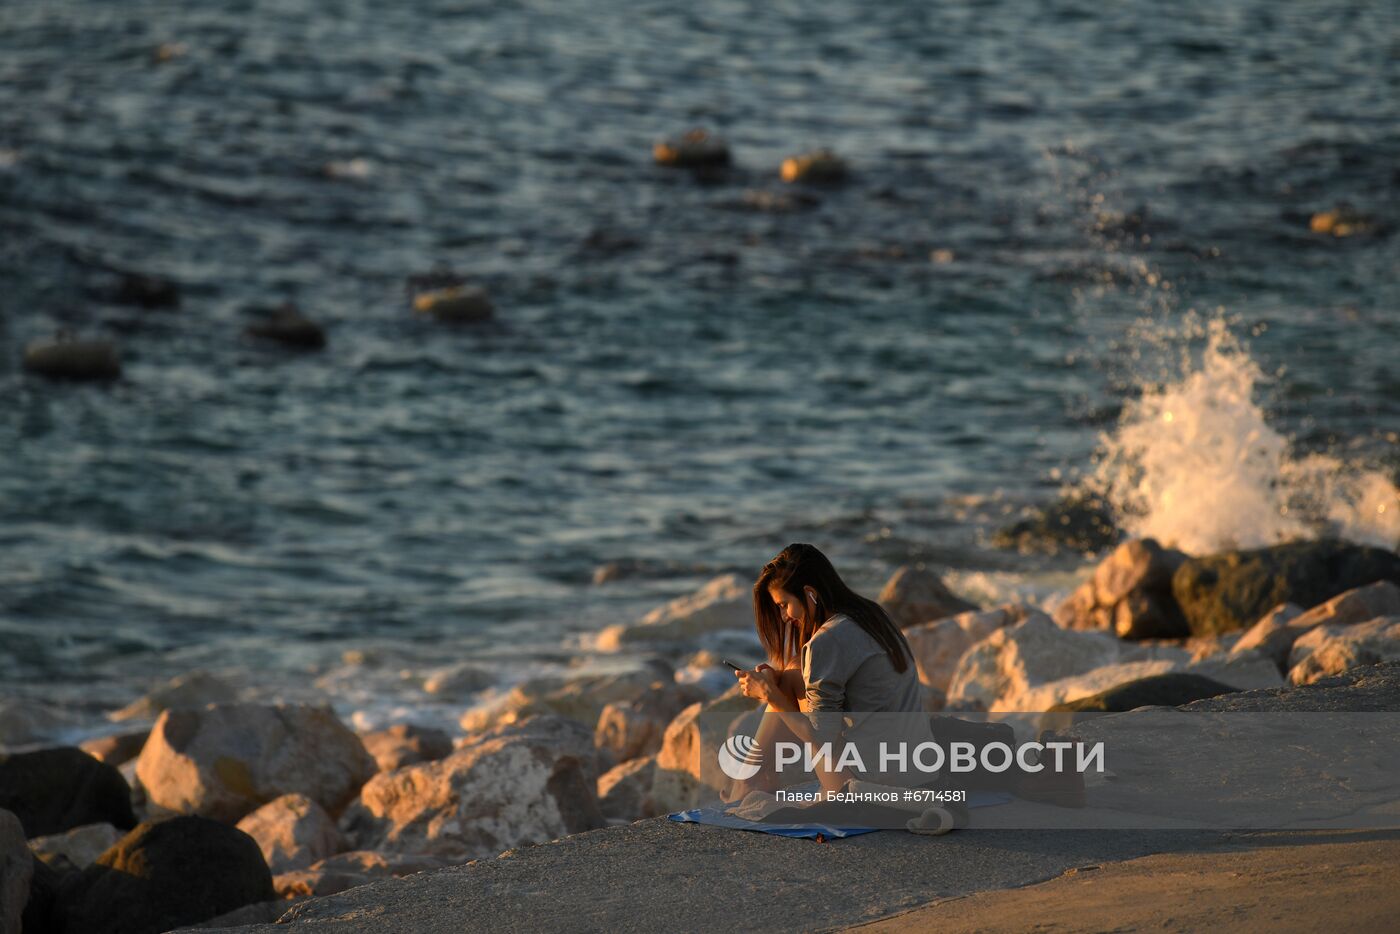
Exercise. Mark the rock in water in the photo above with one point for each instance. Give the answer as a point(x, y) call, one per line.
point(73, 359)
point(1079, 522)
point(915, 595)
point(455, 305)
point(293, 832)
point(228, 759)
point(16, 872)
point(695, 149)
point(818, 167)
point(1344, 221)
point(166, 875)
point(527, 783)
point(136, 288)
point(290, 328)
point(54, 790)
point(1232, 590)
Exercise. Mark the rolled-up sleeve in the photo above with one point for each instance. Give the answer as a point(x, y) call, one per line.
point(828, 661)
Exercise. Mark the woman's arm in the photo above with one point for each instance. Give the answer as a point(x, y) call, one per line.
point(789, 698)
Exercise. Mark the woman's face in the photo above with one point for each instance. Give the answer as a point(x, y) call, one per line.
point(793, 608)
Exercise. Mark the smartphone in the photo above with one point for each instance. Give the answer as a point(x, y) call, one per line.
point(731, 664)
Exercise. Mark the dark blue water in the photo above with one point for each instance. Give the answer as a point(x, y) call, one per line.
point(688, 372)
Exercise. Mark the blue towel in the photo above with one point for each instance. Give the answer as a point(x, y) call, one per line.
point(720, 817)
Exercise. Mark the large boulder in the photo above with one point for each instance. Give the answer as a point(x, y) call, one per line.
point(80, 846)
point(54, 790)
point(406, 744)
point(1171, 689)
point(1331, 650)
point(1281, 627)
point(228, 759)
point(629, 729)
point(915, 595)
point(525, 783)
point(1232, 590)
point(687, 767)
point(293, 832)
point(724, 603)
point(1129, 594)
point(939, 645)
point(16, 872)
point(192, 689)
point(996, 673)
point(580, 698)
point(116, 748)
point(624, 791)
point(1272, 636)
point(165, 875)
point(1236, 673)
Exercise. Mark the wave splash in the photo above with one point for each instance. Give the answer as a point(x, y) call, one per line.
point(1194, 464)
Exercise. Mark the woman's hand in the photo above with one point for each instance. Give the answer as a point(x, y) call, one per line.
point(760, 683)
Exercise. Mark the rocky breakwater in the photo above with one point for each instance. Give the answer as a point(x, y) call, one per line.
point(1157, 625)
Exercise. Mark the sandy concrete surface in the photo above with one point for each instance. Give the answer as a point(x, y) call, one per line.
point(1297, 884)
point(659, 875)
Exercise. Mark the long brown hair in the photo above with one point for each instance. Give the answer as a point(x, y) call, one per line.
point(797, 567)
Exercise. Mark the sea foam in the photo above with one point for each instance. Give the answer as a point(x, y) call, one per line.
point(1195, 464)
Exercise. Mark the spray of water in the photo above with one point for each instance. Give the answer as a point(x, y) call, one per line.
point(1194, 464)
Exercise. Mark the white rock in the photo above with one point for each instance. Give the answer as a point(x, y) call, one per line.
point(228, 759)
point(512, 786)
point(192, 689)
point(1013, 660)
point(724, 603)
point(939, 645)
point(1331, 650)
point(293, 832)
point(915, 595)
point(1272, 636)
point(406, 744)
point(629, 729)
point(580, 698)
